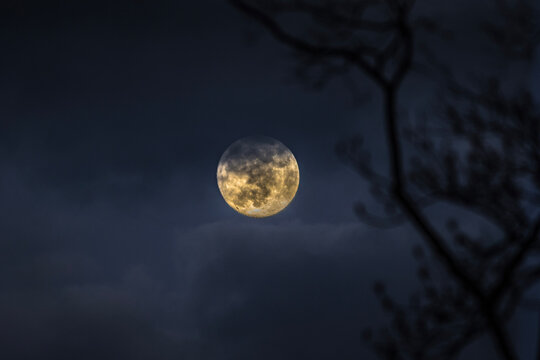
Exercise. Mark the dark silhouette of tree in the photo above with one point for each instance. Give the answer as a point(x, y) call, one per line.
point(482, 155)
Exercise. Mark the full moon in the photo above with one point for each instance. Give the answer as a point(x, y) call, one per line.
point(258, 176)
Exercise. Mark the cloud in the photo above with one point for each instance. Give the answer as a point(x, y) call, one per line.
point(63, 297)
point(238, 289)
point(90, 322)
point(284, 291)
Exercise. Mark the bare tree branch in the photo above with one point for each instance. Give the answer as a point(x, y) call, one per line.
point(298, 44)
point(516, 261)
point(485, 285)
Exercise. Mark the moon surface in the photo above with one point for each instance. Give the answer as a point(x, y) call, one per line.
point(258, 176)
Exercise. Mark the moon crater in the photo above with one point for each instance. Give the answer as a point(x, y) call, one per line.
point(258, 176)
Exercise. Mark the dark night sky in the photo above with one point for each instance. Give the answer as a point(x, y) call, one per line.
point(114, 240)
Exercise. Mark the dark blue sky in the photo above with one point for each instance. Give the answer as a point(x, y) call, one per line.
point(114, 240)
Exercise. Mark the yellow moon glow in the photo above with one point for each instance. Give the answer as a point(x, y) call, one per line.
point(258, 176)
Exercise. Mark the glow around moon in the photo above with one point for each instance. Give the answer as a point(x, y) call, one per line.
point(258, 176)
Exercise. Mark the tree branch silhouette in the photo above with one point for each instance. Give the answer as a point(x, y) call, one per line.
point(484, 289)
point(301, 45)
